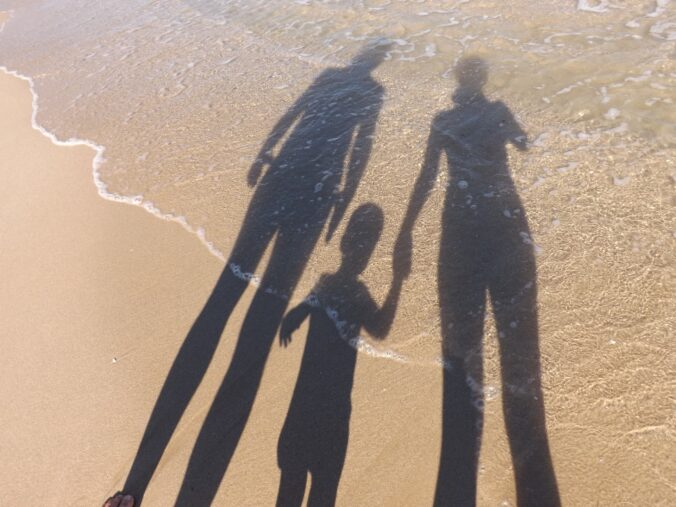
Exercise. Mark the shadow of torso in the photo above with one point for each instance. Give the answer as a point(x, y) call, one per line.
point(481, 190)
point(306, 174)
point(316, 429)
point(485, 230)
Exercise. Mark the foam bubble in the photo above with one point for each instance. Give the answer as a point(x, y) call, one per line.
point(593, 5)
point(660, 8)
point(564, 169)
point(612, 113)
point(621, 181)
point(665, 30)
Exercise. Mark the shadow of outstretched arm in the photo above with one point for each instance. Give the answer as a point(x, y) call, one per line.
point(378, 323)
point(423, 185)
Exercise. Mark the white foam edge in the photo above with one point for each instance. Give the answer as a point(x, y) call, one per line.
point(97, 162)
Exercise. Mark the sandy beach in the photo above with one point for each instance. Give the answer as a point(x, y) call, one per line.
point(85, 290)
point(99, 296)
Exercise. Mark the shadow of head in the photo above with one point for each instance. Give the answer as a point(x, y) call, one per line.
point(360, 238)
point(372, 54)
point(471, 73)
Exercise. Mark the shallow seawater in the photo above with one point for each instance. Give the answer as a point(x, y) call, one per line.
point(183, 95)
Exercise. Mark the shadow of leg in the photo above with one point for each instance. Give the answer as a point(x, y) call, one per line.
point(182, 380)
point(230, 410)
point(456, 482)
point(292, 487)
point(462, 296)
point(515, 305)
point(198, 347)
point(324, 489)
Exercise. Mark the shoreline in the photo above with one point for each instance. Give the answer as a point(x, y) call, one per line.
point(361, 345)
point(98, 160)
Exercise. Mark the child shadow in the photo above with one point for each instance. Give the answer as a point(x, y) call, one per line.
point(315, 434)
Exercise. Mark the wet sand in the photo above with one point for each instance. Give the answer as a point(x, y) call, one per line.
point(97, 297)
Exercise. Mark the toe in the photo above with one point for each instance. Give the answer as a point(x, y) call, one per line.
point(113, 501)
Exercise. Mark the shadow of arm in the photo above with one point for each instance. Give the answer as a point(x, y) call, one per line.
point(515, 134)
point(265, 155)
point(379, 321)
point(423, 185)
point(292, 321)
point(359, 157)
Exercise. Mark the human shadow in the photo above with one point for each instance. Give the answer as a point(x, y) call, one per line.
point(329, 132)
point(486, 249)
point(315, 434)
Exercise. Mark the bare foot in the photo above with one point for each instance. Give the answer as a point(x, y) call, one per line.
point(120, 500)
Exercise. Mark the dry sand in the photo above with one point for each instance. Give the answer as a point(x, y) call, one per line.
point(98, 296)
point(84, 281)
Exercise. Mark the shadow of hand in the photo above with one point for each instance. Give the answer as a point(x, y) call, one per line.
point(291, 323)
point(256, 169)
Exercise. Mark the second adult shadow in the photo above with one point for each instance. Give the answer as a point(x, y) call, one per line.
point(486, 252)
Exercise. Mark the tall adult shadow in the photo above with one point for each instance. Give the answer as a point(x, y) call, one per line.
point(316, 172)
point(486, 249)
